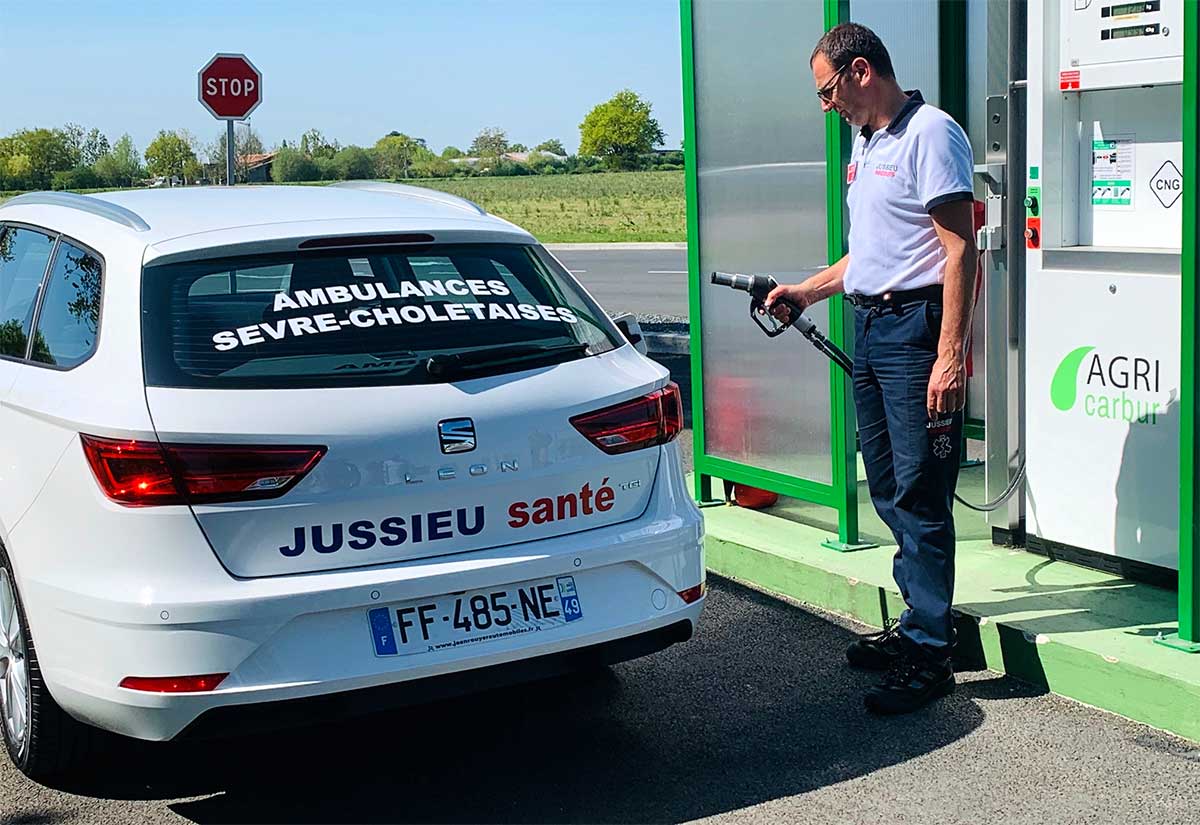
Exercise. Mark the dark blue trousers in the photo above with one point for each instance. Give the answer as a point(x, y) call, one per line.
point(911, 460)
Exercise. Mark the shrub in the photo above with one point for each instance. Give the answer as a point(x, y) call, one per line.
point(81, 177)
point(354, 163)
point(292, 165)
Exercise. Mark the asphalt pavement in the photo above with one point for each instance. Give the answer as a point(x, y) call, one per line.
point(755, 720)
point(650, 282)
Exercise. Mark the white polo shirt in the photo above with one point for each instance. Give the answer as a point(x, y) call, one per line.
point(896, 176)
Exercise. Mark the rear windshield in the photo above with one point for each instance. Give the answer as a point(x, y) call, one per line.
point(357, 317)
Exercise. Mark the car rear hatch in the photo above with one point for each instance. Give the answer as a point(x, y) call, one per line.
point(352, 407)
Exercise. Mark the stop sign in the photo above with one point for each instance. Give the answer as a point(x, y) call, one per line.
point(230, 86)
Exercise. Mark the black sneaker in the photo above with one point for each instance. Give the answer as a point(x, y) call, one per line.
point(913, 682)
point(879, 651)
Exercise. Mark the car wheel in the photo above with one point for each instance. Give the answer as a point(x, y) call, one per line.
point(41, 739)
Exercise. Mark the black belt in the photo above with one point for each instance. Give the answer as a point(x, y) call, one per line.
point(933, 292)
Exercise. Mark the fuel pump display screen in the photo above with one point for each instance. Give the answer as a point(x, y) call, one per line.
point(1130, 31)
point(1129, 8)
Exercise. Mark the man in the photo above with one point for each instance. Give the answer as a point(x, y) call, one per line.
point(910, 276)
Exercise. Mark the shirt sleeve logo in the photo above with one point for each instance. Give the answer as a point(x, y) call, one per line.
point(851, 171)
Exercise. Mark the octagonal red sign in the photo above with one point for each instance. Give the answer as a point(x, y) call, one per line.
point(230, 86)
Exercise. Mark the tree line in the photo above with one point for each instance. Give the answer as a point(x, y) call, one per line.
point(619, 134)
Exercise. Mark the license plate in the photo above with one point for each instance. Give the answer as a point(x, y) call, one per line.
point(454, 620)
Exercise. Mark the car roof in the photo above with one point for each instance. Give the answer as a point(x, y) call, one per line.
point(153, 216)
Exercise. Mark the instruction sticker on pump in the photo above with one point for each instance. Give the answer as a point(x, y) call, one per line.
point(1112, 171)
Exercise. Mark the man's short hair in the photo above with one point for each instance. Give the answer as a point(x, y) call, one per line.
point(846, 41)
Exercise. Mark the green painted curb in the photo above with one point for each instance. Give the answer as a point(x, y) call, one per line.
point(1088, 658)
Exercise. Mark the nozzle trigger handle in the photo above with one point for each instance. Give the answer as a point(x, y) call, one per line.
point(758, 309)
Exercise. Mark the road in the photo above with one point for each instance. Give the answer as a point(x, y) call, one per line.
point(647, 282)
point(756, 720)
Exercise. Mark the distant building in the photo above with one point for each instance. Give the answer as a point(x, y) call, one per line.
point(257, 166)
point(515, 157)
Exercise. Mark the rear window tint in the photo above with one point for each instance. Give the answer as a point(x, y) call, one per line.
point(362, 317)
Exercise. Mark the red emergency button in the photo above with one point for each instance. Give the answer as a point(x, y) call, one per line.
point(1033, 233)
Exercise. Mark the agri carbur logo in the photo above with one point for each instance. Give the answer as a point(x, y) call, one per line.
point(1096, 379)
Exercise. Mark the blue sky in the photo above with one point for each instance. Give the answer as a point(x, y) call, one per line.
point(354, 69)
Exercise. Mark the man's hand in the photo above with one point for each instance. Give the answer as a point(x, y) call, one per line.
point(799, 294)
point(947, 386)
point(954, 223)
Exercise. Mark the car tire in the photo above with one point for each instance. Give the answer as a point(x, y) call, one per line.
point(48, 742)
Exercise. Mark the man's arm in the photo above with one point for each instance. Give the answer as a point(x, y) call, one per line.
point(828, 281)
point(806, 293)
point(955, 225)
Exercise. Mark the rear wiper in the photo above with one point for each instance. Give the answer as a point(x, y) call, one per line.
point(497, 356)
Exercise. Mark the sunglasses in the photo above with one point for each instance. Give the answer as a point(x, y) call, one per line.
point(825, 93)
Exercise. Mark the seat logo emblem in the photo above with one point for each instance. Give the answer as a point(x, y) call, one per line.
point(456, 435)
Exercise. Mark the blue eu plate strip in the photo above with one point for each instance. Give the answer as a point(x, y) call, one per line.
point(382, 633)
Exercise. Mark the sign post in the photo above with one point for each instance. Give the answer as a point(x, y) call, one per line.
point(229, 156)
point(230, 87)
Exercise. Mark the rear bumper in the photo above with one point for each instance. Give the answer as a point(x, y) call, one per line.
point(236, 720)
point(146, 603)
point(343, 675)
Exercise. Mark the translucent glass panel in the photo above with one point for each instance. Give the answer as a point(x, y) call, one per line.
point(909, 29)
point(761, 181)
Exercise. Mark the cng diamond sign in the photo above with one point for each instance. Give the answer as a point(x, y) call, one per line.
point(1167, 184)
point(230, 87)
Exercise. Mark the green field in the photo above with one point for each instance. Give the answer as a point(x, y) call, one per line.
point(615, 206)
point(626, 206)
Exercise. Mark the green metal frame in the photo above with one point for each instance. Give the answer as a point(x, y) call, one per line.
point(841, 320)
point(687, 34)
point(952, 59)
point(1188, 637)
point(842, 493)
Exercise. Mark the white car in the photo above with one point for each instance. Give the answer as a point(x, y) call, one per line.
point(271, 453)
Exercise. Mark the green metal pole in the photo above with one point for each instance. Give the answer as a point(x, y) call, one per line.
point(703, 482)
point(843, 448)
point(1188, 637)
point(1189, 570)
point(952, 59)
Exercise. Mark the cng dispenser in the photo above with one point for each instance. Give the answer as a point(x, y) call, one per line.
point(1102, 236)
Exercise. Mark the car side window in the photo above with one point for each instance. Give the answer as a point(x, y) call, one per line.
point(69, 320)
point(24, 254)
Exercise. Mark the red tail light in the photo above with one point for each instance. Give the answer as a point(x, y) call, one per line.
point(632, 425)
point(693, 594)
point(141, 473)
point(173, 684)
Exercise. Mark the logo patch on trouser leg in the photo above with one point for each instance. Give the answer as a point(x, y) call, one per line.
point(939, 432)
point(942, 446)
